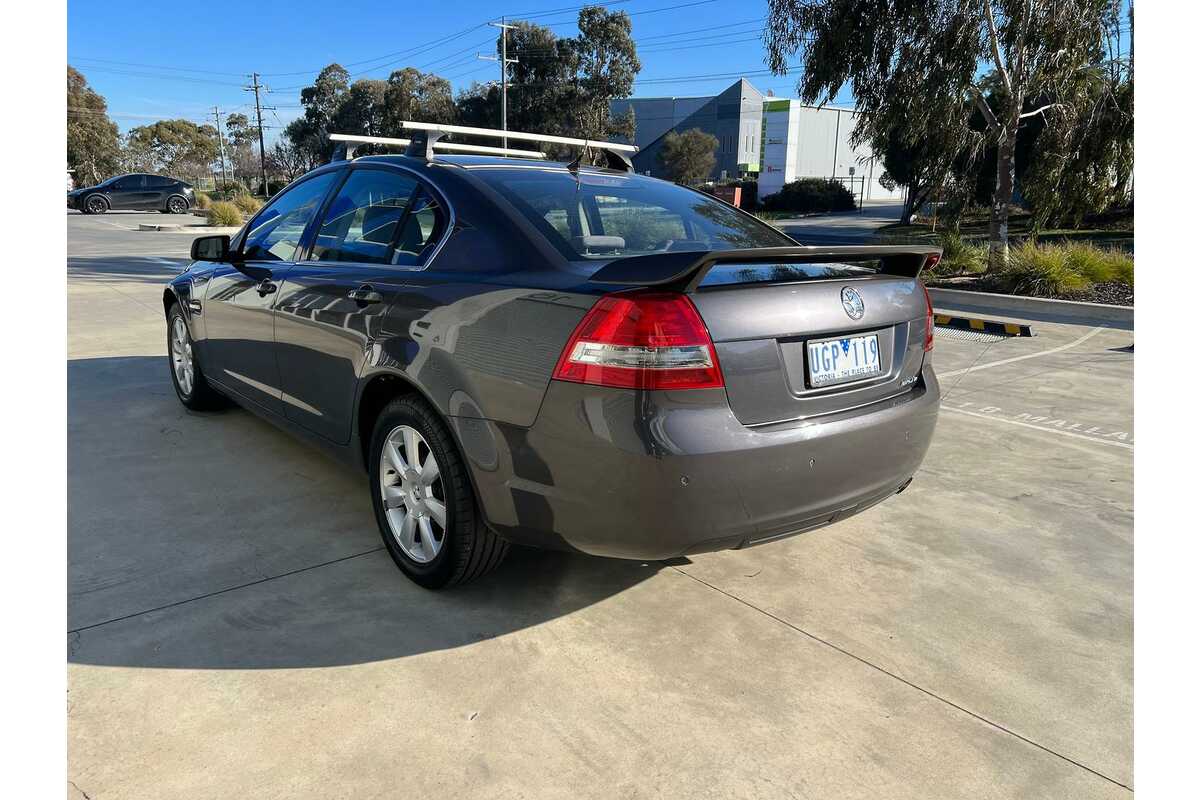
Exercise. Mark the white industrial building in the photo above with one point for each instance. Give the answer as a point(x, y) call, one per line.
point(802, 141)
point(774, 140)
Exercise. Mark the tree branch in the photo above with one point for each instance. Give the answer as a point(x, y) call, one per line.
point(994, 37)
point(1035, 112)
point(988, 116)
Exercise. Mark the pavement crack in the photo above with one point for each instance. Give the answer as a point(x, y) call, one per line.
point(84, 794)
point(74, 632)
point(901, 679)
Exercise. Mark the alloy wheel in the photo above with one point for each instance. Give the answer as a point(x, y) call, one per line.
point(181, 356)
point(96, 205)
point(176, 205)
point(414, 501)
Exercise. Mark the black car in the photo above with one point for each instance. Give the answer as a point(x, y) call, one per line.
point(136, 192)
point(525, 351)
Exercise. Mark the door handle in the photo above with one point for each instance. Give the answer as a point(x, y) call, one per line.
point(266, 287)
point(365, 294)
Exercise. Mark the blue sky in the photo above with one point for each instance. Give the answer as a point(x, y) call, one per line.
point(178, 60)
point(165, 61)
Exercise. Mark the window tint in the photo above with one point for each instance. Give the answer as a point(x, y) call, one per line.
point(599, 216)
point(727, 273)
point(160, 182)
point(362, 222)
point(277, 229)
point(129, 183)
point(643, 225)
point(420, 229)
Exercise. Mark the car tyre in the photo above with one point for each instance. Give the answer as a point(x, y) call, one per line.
point(177, 205)
point(191, 386)
point(95, 204)
point(426, 509)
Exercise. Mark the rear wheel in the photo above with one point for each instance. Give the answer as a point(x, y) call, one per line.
point(190, 384)
point(177, 205)
point(95, 205)
point(424, 504)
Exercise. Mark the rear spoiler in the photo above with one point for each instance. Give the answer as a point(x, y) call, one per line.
point(684, 270)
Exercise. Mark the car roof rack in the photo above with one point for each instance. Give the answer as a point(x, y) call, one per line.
point(426, 135)
point(348, 142)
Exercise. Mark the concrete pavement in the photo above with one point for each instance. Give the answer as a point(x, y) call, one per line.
point(235, 629)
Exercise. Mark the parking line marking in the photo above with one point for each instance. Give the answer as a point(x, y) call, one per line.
point(896, 676)
point(1112, 442)
point(1038, 354)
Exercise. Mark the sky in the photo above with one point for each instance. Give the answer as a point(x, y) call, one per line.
point(178, 60)
point(167, 61)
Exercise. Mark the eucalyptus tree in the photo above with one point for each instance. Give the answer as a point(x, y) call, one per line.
point(921, 66)
point(93, 140)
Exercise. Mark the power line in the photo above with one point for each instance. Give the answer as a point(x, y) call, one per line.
point(77, 59)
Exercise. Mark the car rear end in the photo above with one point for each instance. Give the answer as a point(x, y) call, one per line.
point(716, 397)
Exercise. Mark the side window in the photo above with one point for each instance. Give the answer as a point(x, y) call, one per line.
point(276, 231)
point(421, 228)
point(160, 182)
point(129, 183)
point(362, 221)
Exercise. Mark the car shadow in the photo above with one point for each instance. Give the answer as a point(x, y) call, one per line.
point(216, 541)
point(123, 269)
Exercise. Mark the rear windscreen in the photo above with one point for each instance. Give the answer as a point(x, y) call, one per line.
point(601, 216)
point(728, 274)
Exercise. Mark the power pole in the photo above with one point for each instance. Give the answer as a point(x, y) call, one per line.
point(255, 87)
point(504, 61)
point(220, 141)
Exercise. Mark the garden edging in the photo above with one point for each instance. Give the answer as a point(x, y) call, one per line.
point(1033, 308)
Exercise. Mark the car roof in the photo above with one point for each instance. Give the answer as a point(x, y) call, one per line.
point(479, 161)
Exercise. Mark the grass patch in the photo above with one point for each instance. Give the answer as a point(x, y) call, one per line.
point(224, 214)
point(960, 257)
point(203, 201)
point(1040, 269)
point(247, 203)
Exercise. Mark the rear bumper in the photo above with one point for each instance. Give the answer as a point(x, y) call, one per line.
point(654, 475)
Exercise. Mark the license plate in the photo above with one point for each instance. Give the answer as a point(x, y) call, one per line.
point(850, 358)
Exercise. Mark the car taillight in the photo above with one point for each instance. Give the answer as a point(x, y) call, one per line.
point(928, 319)
point(641, 340)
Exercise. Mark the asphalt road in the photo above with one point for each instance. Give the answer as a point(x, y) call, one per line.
point(236, 630)
point(850, 228)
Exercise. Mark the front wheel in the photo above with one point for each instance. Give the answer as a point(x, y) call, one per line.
point(95, 205)
point(424, 504)
point(190, 384)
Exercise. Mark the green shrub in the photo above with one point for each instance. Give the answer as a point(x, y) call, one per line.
point(203, 200)
point(1120, 265)
point(224, 214)
point(959, 257)
point(1042, 270)
point(810, 196)
point(247, 203)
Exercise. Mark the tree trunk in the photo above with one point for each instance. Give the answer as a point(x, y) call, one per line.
point(909, 209)
point(1005, 176)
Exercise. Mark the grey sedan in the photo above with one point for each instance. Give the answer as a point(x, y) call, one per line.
point(521, 351)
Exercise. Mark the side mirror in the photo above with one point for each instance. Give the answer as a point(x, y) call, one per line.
point(210, 248)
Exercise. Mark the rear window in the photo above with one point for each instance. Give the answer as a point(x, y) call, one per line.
point(726, 274)
point(593, 216)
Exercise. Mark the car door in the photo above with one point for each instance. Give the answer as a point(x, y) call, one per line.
point(380, 227)
point(125, 193)
point(239, 350)
point(157, 188)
